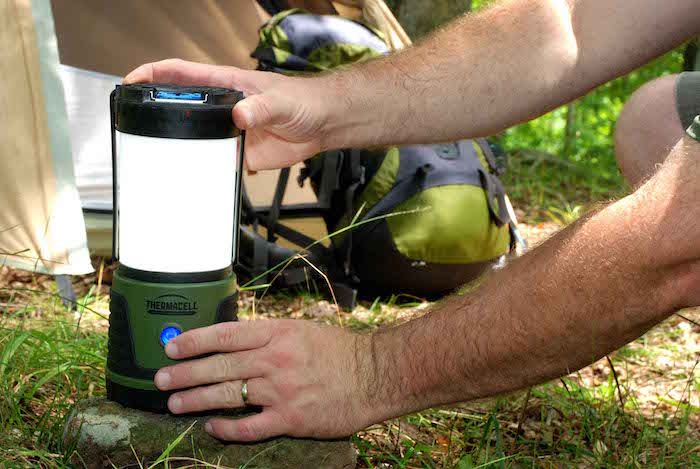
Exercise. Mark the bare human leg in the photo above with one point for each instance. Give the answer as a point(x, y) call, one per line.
point(647, 129)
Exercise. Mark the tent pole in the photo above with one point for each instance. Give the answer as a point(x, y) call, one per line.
point(65, 291)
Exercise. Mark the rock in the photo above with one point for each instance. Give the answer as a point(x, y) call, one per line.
point(105, 434)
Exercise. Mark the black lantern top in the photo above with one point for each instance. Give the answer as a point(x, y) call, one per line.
point(170, 111)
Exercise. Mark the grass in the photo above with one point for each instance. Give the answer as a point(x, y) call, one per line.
point(47, 361)
point(50, 357)
point(557, 425)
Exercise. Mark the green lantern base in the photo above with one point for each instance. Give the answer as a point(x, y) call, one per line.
point(146, 309)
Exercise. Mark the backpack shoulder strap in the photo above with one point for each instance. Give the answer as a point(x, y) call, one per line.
point(357, 179)
point(489, 156)
point(329, 165)
point(276, 207)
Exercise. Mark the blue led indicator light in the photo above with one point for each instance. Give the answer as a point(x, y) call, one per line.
point(169, 333)
point(174, 95)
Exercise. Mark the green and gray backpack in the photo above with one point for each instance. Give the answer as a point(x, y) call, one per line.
point(423, 219)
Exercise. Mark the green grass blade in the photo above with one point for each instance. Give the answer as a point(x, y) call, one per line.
point(10, 350)
point(51, 374)
point(173, 444)
point(269, 448)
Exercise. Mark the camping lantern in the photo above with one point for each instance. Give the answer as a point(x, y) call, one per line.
point(177, 159)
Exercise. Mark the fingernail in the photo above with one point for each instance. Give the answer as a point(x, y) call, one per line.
point(162, 379)
point(131, 76)
point(175, 404)
point(246, 113)
point(171, 349)
point(208, 428)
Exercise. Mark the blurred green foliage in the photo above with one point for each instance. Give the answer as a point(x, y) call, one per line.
point(544, 173)
point(549, 175)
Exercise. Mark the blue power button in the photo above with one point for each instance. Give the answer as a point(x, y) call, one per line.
point(169, 333)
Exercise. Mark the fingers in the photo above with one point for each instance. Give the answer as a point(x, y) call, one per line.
point(214, 369)
point(222, 337)
point(256, 427)
point(255, 111)
point(260, 110)
point(181, 72)
point(225, 395)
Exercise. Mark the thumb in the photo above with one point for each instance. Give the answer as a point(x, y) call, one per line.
point(260, 110)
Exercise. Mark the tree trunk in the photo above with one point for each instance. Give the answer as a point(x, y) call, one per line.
point(570, 132)
point(419, 17)
point(692, 53)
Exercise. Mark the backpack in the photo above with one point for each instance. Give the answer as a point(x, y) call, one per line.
point(420, 220)
point(434, 217)
point(294, 41)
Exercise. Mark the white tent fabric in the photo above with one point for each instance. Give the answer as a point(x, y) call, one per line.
point(41, 224)
point(88, 118)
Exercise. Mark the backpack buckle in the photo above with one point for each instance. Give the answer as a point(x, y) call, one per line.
point(360, 180)
point(424, 170)
point(495, 198)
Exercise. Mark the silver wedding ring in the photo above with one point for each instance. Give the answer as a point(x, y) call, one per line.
point(244, 391)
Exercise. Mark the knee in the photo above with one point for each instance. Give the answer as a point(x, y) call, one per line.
point(647, 129)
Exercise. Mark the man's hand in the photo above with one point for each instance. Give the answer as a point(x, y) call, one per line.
point(286, 118)
point(310, 380)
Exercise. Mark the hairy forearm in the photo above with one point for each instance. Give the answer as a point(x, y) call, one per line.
point(488, 71)
point(589, 290)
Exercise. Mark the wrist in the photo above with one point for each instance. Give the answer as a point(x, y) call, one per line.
point(387, 387)
point(350, 118)
point(366, 381)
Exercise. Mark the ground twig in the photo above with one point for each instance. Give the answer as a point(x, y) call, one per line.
point(617, 383)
